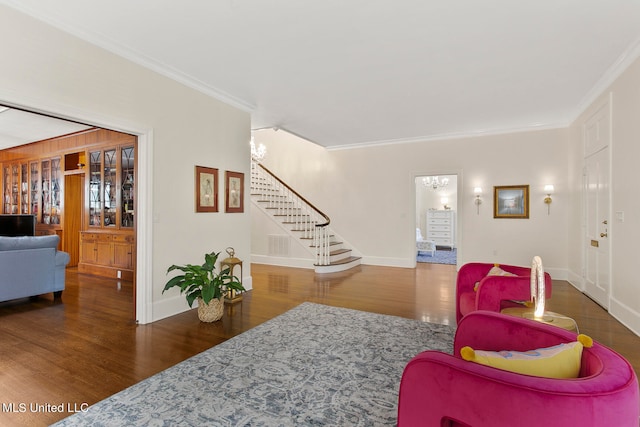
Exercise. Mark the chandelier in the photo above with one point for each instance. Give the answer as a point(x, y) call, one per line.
point(257, 153)
point(434, 182)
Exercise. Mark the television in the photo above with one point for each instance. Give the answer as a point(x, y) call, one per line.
point(17, 225)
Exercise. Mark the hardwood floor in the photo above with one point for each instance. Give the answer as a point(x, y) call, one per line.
point(64, 354)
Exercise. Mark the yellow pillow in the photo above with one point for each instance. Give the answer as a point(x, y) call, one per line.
point(495, 271)
point(559, 361)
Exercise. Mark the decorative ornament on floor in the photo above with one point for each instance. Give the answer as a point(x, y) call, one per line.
point(203, 283)
point(232, 295)
point(537, 287)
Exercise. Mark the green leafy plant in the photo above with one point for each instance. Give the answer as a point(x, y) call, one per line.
point(203, 280)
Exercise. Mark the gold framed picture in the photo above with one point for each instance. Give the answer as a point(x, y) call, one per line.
point(511, 201)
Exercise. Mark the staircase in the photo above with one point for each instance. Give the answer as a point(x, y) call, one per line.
point(300, 219)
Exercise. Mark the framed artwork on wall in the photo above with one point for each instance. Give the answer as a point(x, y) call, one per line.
point(234, 192)
point(511, 201)
point(206, 189)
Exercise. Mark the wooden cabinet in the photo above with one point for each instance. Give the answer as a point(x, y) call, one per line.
point(441, 227)
point(107, 254)
point(91, 176)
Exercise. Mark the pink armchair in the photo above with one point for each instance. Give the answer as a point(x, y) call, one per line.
point(439, 389)
point(493, 293)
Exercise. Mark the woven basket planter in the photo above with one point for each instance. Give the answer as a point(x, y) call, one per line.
point(211, 312)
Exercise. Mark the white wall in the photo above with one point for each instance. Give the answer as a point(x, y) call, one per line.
point(51, 71)
point(624, 236)
point(369, 193)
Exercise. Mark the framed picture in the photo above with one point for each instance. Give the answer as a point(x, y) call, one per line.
point(206, 189)
point(234, 192)
point(511, 201)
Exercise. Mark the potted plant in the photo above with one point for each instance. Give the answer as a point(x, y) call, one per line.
point(203, 283)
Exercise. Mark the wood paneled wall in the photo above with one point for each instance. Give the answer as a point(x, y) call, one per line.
point(66, 143)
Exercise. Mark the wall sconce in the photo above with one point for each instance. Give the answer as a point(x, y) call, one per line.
point(478, 201)
point(547, 200)
point(444, 201)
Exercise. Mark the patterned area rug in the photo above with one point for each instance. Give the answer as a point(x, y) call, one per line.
point(313, 365)
point(440, 257)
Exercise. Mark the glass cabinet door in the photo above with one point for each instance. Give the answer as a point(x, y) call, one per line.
point(46, 192)
point(110, 187)
point(6, 194)
point(24, 188)
point(56, 200)
point(95, 188)
point(34, 184)
point(15, 184)
point(127, 164)
point(51, 200)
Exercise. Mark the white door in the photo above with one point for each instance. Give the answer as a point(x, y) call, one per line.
point(597, 273)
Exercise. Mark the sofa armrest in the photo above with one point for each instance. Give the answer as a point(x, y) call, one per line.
point(469, 274)
point(62, 258)
point(485, 330)
point(437, 387)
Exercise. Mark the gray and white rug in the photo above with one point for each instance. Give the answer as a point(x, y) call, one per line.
point(314, 365)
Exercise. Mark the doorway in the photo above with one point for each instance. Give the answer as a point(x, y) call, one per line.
point(436, 224)
point(49, 126)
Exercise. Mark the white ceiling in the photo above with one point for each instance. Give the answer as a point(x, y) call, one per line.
point(342, 72)
point(21, 127)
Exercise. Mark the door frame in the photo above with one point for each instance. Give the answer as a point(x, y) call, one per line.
point(459, 209)
point(144, 208)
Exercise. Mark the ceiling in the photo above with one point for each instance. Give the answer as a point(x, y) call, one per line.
point(340, 73)
point(19, 127)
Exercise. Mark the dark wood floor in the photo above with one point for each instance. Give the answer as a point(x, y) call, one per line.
point(87, 346)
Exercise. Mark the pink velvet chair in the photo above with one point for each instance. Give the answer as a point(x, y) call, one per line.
point(493, 293)
point(439, 389)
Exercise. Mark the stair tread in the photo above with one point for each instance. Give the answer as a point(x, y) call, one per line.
point(339, 252)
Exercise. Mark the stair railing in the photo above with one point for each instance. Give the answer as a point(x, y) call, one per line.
point(296, 210)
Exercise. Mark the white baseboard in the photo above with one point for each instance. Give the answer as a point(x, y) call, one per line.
point(177, 304)
point(168, 307)
point(623, 313)
point(282, 261)
point(557, 273)
point(389, 262)
point(575, 280)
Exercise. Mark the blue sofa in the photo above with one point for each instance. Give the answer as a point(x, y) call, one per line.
point(31, 266)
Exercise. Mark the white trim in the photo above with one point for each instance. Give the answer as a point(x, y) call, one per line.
point(135, 57)
point(452, 135)
point(624, 61)
point(167, 307)
point(144, 230)
point(390, 262)
point(625, 315)
point(282, 261)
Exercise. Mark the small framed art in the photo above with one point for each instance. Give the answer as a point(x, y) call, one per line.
point(206, 189)
point(511, 201)
point(234, 192)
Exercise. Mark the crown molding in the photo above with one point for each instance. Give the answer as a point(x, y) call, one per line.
point(453, 135)
point(613, 72)
point(134, 56)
